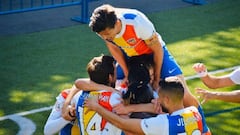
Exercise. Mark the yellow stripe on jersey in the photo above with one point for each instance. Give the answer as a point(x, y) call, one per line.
point(92, 120)
point(130, 51)
point(190, 122)
point(131, 44)
point(75, 130)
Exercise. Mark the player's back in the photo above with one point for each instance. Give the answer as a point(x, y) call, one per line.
point(91, 123)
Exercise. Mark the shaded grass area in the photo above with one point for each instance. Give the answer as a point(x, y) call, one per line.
point(36, 67)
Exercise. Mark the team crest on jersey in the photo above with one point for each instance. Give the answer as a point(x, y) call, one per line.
point(132, 41)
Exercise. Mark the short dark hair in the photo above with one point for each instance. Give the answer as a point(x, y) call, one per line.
point(139, 90)
point(173, 87)
point(102, 17)
point(99, 69)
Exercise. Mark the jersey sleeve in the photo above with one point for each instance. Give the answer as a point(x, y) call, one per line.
point(76, 97)
point(55, 121)
point(144, 27)
point(155, 124)
point(235, 76)
point(115, 99)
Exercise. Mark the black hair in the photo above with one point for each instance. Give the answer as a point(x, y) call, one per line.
point(172, 86)
point(139, 90)
point(99, 69)
point(102, 17)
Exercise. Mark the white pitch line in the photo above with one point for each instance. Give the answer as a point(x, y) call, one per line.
point(26, 112)
point(26, 126)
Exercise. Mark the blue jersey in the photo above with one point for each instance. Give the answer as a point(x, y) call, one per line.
point(187, 121)
point(70, 129)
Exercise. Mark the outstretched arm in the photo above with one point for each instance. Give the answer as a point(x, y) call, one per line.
point(211, 81)
point(233, 96)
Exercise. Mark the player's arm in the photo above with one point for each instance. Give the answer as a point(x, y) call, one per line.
point(211, 81)
point(126, 109)
point(55, 121)
point(87, 84)
point(66, 113)
point(214, 82)
point(53, 126)
point(233, 96)
point(129, 125)
point(117, 53)
point(146, 31)
point(155, 45)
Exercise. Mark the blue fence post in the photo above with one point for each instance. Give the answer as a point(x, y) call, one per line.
point(84, 18)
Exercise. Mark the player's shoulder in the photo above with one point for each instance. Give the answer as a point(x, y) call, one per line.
point(191, 108)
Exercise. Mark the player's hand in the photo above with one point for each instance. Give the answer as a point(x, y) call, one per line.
point(200, 69)
point(120, 109)
point(157, 106)
point(91, 103)
point(72, 111)
point(68, 112)
point(125, 81)
point(204, 95)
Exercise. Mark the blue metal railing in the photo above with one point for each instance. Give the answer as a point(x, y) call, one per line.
point(16, 6)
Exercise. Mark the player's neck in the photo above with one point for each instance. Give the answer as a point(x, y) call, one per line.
point(175, 108)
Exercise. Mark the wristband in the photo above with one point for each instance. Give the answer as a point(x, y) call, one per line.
point(202, 74)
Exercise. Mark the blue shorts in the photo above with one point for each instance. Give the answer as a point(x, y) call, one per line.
point(169, 65)
point(120, 74)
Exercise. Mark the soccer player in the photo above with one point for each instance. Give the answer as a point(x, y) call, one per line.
point(131, 31)
point(179, 120)
point(101, 70)
point(215, 82)
point(139, 90)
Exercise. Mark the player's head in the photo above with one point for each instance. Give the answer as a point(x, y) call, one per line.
point(104, 22)
point(148, 62)
point(139, 90)
point(171, 91)
point(102, 70)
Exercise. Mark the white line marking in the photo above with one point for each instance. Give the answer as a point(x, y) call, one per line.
point(27, 112)
point(27, 127)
